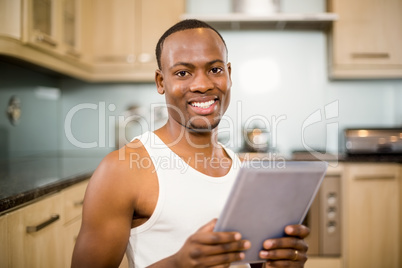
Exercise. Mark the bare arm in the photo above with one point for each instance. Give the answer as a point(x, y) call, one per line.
point(107, 215)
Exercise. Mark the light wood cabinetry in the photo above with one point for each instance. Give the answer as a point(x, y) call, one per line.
point(35, 233)
point(43, 234)
point(53, 26)
point(366, 39)
point(371, 219)
point(95, 41)
point(10, 18)
point(124, 36)
point(3, 241)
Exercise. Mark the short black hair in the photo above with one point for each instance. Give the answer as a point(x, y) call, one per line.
point(181, 26)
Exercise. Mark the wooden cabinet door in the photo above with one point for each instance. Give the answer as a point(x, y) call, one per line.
point(35, 234)
point(372, 211)
point(43, 28)
point(10, 18)
point(366, 39)
point(113, 35)
point(71, 25)
point(155, 16)
point(124, 36)
point(3, 242)
point(73, 198)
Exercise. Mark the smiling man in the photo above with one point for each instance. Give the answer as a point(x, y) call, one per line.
point(164, 215)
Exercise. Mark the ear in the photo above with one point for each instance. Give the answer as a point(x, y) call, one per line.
point(230, 72)
point(159, 82)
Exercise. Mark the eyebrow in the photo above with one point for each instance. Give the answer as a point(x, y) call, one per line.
point(190, 65)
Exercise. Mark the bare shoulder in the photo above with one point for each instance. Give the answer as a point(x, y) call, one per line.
point(109, 204)
point(122, 172)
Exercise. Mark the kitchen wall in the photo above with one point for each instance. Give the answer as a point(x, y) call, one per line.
point(37, 130)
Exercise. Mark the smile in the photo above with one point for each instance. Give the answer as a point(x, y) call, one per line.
point(203, 105)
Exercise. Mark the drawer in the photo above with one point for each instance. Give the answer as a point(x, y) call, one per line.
point(73, 198)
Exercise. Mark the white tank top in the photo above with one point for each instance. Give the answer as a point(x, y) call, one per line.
point(187, 200)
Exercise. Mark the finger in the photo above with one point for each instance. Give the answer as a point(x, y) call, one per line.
point(284, 254)
point(208, 227)
point(297, 230)
point(286, 243)
point(205, 235)
point(227, 247)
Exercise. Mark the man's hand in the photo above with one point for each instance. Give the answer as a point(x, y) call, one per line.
point(288, 251)
point(206, 248)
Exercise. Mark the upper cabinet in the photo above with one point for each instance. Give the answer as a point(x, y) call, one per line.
point(277, 21)
point(95, 41)
point(366, 40)
point(54, 26)
point(124, 36)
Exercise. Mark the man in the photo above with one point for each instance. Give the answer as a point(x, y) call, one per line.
point(162, 213)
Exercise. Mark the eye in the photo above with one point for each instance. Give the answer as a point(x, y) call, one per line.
point(216, 70)
point(182, 73)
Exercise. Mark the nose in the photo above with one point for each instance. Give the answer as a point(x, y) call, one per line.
point(201, 83)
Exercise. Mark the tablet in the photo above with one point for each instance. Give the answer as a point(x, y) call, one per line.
point(266, 197)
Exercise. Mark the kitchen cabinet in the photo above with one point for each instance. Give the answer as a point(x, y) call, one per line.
point(3, 241)
point(365, 41)
point(43, 233)
point(53, 26)
point(45, 33)
point(124, 36)
point(372, 213)
point(94, 41)
point(10, 18)
point(35, 234)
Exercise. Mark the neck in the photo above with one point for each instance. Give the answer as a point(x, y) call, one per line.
point(185, 139)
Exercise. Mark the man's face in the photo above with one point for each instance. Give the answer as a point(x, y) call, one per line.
point(195, 77)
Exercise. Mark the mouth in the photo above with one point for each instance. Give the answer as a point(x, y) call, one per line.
point(203, 105)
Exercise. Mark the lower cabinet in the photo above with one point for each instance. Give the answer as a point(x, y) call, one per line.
point(32, 231)
point(3, 241)
point(42, 234)
point(320, 262)
point(372, 213)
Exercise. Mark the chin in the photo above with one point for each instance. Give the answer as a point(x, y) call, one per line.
point(203, 128)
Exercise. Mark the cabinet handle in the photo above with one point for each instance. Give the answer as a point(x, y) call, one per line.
point(33, 229)
point(78, 203)
point(74, 53)
point(370, 55)
point(375, 177)
point(46, 39)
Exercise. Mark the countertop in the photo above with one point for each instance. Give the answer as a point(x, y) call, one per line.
point(24, 179)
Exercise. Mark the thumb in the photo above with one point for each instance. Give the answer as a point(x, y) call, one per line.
point(209, 227)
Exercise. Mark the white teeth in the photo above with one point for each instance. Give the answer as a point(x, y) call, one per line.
point(203, 105)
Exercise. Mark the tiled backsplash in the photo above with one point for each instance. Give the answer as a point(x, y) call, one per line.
point(37, 129)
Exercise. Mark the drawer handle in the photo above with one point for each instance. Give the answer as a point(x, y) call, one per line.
point(370, 55)
point(33, 229)
point(375, 177)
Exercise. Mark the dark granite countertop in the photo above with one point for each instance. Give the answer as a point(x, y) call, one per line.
point(24, 179)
